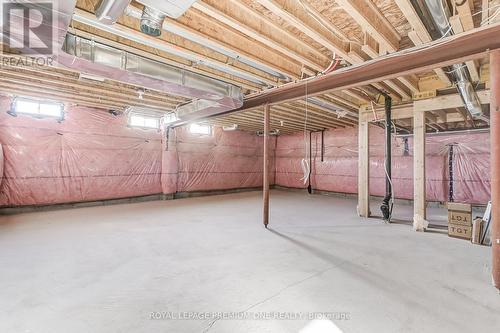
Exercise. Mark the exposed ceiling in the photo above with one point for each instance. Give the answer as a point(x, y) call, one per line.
point(260, 44)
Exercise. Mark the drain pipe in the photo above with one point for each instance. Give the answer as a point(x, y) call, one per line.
point(387, 204)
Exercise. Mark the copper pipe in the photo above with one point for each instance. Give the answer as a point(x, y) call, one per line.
point(265, 171)
point(495, 163)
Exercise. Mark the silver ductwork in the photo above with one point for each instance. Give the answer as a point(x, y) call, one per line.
point(440, 14)
point(153, 14)
point(108, 11)
point(208, 94)
point(152, 21)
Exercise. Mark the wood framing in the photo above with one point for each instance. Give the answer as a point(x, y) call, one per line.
point(419, 180)
point(363, 169)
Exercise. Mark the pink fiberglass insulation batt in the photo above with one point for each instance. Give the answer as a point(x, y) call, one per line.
point(339, 169)
point(93, 155)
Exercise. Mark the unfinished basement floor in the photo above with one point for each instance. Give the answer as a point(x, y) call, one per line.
point(109, 268)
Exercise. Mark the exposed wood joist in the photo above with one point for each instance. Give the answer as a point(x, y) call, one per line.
point(373, 21)
point(455, 49)
point(131, 34)
point(457, 25)
point(420, 35)
point(332, 42)
point(288, 50)
point(193, 67)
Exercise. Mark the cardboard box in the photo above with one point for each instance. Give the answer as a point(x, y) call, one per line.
point(460, 220)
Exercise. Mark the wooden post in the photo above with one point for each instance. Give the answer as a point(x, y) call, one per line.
point(265, 171)
point(495, 162)
point(419, 203)
point(363, 168)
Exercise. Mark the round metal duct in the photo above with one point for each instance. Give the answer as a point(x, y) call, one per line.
point(152, 21)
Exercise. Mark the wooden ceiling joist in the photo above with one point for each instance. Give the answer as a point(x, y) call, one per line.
point(226, 18)
point(332, 42)
point(455, 49)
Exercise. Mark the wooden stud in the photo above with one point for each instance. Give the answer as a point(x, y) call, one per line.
point(363, 169)
point(419, 193)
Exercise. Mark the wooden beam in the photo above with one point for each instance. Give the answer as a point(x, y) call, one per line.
point(224, 77)
point(370, 45)
point(138, 37)
point(465, 13)
point(333, 43)
point(363, 169)
point(257, 35)
point(324, 21)
point(448, 101)
point(419, 193)
point(211, 41)
point(265, 170)
point(455, 49)
point(458, 28)
point(419, 35)
point(369, 17)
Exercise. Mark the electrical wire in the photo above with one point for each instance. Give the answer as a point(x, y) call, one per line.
point(306, 167)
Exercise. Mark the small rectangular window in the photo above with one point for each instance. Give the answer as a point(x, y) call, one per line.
point(136, 120)
point(200, 129)
point(38, 109)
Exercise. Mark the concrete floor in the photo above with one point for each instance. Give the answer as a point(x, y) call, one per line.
point(108, 269)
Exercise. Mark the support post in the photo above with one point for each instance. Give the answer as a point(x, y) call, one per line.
point(363, 167)
point(419, 202)
point(265, 171)
point(495, 163)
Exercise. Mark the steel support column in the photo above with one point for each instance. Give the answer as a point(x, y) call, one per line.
point(265, 171)
point(495, 162)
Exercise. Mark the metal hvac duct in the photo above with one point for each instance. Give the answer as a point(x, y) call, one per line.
point(108, 11)
point(210, 95)
point(153, 14)
point(152, 21)
point(439, 14)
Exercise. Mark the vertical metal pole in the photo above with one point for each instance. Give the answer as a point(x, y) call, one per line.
point(265, 171)
point(495, 162)
point(322, 145)
point(452, 176)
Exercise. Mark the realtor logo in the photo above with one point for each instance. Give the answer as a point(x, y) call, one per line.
point(27, 27)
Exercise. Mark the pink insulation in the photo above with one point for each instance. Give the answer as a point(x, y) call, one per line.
point(226, 160)
point(93, 155)
point(338, 171)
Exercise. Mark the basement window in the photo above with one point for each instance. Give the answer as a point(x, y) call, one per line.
point(141, 121)
point(37, 109)
point(200, 129)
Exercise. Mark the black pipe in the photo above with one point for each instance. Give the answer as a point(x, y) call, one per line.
point(322, 145)
point(386, 207)
point(450, 169)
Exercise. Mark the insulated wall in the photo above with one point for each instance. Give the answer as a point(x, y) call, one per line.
point(338, 170)
point(224, 160)
point(93, 155)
